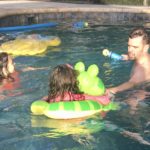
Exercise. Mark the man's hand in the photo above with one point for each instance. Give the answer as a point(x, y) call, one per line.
point(125, 57)
point(110, 92)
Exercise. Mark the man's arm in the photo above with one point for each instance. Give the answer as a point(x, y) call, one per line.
point(122, 87)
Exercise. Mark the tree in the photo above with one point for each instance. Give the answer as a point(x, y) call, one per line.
point(145, 2)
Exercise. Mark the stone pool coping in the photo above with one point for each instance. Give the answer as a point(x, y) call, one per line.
point(104, 14)
point(8, 8)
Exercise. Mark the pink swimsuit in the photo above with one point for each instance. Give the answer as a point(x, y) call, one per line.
point(11, 85)
point(104, 100)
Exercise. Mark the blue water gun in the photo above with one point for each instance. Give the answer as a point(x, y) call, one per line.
point(112, 55)
point(80, 25)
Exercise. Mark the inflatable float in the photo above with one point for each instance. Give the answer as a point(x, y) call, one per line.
point(28, 27)
point(89, 83)
point(69, 109)
point(29, 45)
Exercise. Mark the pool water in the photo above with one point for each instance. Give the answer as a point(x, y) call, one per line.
point(126, 128)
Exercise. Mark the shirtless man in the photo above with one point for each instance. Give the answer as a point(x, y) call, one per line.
point(138, 45)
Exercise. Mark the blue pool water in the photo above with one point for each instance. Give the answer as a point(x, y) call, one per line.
point(127, 128)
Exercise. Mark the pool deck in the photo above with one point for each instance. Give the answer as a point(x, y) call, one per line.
point(8, 8)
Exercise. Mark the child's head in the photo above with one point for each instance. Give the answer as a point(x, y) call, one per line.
point(6, 65)
point(63, 78)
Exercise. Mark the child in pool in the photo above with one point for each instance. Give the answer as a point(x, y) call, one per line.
point(7, 69)
point(63, 86)
point(9, 77)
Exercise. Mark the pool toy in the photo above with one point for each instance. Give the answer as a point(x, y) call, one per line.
point(29, 45)
point(80, 25)
point(28, 27)
point(69, 109)
point(89, 82)
point(112, 55)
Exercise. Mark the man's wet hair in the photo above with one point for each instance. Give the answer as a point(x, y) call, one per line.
point(140, 32)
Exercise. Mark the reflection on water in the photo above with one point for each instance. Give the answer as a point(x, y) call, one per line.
point(60, 128)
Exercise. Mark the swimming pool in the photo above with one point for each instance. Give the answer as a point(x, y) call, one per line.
point(122, 129)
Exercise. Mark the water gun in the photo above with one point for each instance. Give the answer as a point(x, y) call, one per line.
point(112, 55)
point(80, 25)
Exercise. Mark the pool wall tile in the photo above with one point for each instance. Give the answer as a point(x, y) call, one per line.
point(29, 12)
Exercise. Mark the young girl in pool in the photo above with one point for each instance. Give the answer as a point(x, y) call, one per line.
point(7, 69)
point(63, 86)
point(9, 77)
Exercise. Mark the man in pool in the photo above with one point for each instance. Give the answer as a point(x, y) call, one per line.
point(138, 45)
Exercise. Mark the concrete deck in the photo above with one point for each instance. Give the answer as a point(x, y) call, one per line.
point(8, 8)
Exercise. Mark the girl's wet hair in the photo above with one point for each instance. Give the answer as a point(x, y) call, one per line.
point(140, 32)
point(62, 79)
point(4, 65)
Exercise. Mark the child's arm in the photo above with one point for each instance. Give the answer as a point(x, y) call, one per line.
point(45, 98)
point(32, 68)
point(101, 99)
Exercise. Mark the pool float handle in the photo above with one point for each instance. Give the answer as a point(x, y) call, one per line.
point(112, 55)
